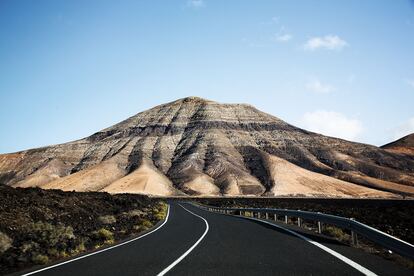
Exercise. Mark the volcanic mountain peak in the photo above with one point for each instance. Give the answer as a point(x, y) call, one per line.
point(200, 147)
point(193, 112)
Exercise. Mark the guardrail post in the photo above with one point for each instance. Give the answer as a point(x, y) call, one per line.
point(286, 219)
point(267, 216)
point(319, 227)
point(354, 236)
point(299, 222)
point(258, 215)
point(275, 217)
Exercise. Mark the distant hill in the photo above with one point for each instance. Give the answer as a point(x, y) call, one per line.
point(194, 146)
point(404, 145)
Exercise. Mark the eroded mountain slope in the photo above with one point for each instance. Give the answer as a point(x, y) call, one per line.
point(200, 147)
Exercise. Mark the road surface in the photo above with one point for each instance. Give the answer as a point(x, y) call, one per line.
point(197, 242)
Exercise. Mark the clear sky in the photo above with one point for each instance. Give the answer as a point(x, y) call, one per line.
point(71, 68)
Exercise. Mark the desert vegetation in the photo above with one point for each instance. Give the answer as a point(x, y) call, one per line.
point(41, 226)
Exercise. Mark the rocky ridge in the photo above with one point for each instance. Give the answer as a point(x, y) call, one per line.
point(405, 145)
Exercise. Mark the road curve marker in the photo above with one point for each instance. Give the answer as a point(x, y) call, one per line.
point(168, 268)
point(103, 250)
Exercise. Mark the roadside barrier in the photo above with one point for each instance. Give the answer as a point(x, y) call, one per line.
point(357, 228)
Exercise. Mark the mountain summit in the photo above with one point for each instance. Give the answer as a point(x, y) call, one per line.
point(194, 146)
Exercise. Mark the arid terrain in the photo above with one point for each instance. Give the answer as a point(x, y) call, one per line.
point(40, 226)
point(404, 145)
point(194, 146)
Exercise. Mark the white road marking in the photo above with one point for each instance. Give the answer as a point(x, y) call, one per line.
point(103, 250)
point(346, 260)
point(168, 268)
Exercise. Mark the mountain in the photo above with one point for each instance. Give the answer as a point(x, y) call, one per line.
point(404, 145)
point(195, 146)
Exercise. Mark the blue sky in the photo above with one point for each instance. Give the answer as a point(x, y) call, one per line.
point(71, 68)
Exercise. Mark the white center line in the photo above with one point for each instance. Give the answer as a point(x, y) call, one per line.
point(103, 250)
point(168, 268)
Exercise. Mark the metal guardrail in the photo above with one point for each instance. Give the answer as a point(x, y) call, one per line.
point(387, 241)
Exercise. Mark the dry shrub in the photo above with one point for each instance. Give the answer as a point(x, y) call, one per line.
point(5, 242)
point(107, 219)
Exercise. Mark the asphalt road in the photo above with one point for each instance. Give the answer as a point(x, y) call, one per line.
point(198, 242)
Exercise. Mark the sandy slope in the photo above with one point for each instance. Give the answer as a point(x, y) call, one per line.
point(201, 185)
point(94, 178)
point(290, 179)
point(48, 173)
point(144, 180)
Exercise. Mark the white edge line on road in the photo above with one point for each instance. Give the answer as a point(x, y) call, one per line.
point(168, 268)
point(103, 250)
point(346, 260)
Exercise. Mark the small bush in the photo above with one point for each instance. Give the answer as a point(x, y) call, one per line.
point(5, 242)
point(80, 248)
point(336, 233)
point(145, 224)
point(137, 227)
point(107, 219)
point(161, 212)
point(29, 246)
point(53, 252)
point(40, 259)
point(133, 213)
point(104, 235)
point(56, 253)
point(47, 234)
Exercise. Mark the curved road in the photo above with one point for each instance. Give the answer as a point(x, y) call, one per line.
point(195, 241)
